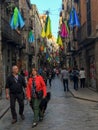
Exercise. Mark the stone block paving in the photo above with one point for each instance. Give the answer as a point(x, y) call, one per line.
point(84, 93)
point(63, 113)
point(4, 104)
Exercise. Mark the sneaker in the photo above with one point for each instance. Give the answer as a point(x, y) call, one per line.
point(14, 121)
point(34, 124)
point(22, 117)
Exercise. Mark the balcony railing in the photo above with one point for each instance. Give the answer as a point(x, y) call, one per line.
point(8, 33)
point(87, 30)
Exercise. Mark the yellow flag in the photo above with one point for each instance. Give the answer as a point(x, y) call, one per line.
point(59, 41)
point(48, 28)
point(43, 33)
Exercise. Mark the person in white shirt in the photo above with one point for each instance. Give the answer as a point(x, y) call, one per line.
point(82, 77)
point(65, 76)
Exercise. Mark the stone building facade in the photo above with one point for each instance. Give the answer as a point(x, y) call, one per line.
point(12, 42)
point(85, 39)
point(14, 45)
point(37, 28)
point(64, 15)
point(25, 59)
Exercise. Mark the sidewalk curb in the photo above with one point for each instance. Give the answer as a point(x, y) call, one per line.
point(82, 98)
point(4, 111)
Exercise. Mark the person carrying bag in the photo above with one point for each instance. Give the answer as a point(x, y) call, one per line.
point(36, 91)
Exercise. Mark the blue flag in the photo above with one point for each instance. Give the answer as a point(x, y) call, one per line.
point(20, 20)
point(31, 37)
point(16, 20)
point(73, 19)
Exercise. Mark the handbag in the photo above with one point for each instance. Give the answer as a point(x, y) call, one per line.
point(39, 94)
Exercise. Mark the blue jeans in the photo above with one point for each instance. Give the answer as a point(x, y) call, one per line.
point(76, 84)
point(65, 84)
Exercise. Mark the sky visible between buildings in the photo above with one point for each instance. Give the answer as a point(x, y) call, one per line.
point(54, 7)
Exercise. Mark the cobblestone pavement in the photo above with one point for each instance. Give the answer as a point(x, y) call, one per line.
point(4, 104)
point(63, 113)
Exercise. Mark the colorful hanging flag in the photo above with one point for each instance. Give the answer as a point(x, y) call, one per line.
point(31, 37)
point(15, 16)
point(20, 20)
point(73, 19)
point(64, 32)
point(48, 28)
point(43, 33)
point(16, 20)
point(67, 26)
point(59, 40)
point(46, 31)
point(46, 23)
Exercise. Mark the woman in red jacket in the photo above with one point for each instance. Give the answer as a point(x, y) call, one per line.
point(36, 90)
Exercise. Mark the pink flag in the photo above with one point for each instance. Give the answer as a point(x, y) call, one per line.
point(64, 32)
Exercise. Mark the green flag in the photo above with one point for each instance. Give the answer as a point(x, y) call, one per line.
point(15, 16)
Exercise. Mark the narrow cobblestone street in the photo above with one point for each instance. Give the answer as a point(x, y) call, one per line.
point(63, 113)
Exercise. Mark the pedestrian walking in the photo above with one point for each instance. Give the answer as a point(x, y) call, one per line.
point(82, 77)
point(50, 78)
point(40, 71)
point(36, 91)
point(14, 91)
point(53, 74)
point(65, 76)
point(75, 74)
point(44, 75)
point(70, 75)
point(57, 72)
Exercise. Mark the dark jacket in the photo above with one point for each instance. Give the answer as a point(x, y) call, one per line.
point(75, 74)
point(14, 85)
